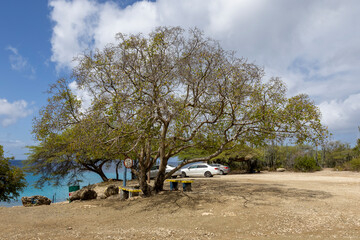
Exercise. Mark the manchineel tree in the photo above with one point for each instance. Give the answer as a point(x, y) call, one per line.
point(12, 179)
point(174, 90)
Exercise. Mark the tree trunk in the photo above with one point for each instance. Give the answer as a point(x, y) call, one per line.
point(102, 175)
point(160, 178)
point(159, 181)
point(144, 186)
point(117, 170)
point(96, 169)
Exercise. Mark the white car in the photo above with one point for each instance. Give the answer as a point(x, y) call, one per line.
point(199, 170)
point(223, 169)
point(155, 169)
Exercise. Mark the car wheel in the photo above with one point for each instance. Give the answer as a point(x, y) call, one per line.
point(222, 172)
point(183, 174)
point(207, 174)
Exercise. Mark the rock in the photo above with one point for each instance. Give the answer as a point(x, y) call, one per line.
point(111, 190)
point(86, 193)
point(280, 169)
point(36, 200)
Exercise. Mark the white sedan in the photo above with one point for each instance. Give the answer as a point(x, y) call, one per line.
point(199, 170)
point(155, 169)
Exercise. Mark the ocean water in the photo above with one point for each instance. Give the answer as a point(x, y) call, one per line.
point(59, 193)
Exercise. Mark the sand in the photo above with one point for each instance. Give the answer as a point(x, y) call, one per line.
point(269, 205)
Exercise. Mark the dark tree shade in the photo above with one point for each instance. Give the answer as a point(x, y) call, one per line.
point(12, 179)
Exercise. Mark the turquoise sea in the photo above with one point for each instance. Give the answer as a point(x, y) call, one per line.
point(59, 193)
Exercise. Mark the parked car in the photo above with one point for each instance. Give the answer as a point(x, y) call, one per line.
point(201, 169)
point(155, 169)
point(223, 169)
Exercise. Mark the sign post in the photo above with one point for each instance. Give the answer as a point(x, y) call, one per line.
point(128, 163)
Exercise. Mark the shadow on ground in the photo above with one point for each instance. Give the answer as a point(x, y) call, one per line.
point(207, 192)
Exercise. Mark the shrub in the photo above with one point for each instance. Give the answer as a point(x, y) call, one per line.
point(354, 164)
point(306, 164)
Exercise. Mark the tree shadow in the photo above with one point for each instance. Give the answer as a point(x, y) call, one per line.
point(207, 192)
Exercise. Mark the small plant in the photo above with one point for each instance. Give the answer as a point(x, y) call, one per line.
point(306, 164)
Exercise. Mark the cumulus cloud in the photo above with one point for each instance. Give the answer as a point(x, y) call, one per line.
point(339, 114)
point(11, 112)
point(20, 63)
point(312, 45)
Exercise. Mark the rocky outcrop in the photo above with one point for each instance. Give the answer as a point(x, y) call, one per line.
point(36, 200)
point(86, 193)
point(111, 190)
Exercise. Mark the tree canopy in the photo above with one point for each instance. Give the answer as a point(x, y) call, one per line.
point(174, 90)
point(12, 179)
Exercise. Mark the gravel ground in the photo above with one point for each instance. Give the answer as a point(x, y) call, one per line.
point(321, 205)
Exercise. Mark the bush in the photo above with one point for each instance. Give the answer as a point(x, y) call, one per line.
point(354, 164)
point(306, 164)
point(12, 181)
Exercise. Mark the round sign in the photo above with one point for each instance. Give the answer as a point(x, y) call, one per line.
point(128, 163)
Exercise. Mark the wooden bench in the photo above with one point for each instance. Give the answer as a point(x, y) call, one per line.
point(174, 184)
point(128, 192)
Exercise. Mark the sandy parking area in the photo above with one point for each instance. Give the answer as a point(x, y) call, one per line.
point(321, 205)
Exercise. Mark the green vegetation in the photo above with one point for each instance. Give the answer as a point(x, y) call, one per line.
point(306, 164)
point(354, 164)
point(12, 179)
point(156, 96)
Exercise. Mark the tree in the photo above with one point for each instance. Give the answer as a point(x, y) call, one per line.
point(175, 90)
point(336, 153)
point(69, 153)
point(12, 179)
point(235, 157)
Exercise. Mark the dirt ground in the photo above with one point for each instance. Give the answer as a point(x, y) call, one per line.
point(321, 205)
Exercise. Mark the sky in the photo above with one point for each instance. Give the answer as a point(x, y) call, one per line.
point(312, 45)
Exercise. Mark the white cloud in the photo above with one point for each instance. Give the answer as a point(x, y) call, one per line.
point(14, 147)
point(313, 45)
point(19, 63)
point(11, 112)
point(81, 95)
point(339, 114)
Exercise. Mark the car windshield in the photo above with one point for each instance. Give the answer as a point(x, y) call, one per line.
point(215, 165)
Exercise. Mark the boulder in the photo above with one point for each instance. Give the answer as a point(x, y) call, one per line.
point(86, 193)
point(36, 200)
point(111, 190)
point(280, 169)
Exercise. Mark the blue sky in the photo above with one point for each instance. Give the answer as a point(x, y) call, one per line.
point(313, 45)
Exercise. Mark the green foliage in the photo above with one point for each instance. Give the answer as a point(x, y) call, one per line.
point(155, 96)
point(336, 153)
point(353, 165)
point(12, 179)
point(306, 164)
point(66, 155)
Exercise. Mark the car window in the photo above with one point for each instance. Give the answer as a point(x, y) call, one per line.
point(193, 166)
point(215, 165)
point(202, 166)
point(171, 165)
point(155, 168)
